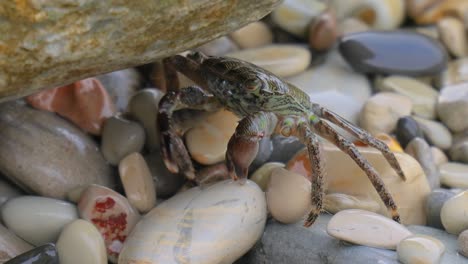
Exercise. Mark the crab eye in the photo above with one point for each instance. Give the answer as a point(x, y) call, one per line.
point(253, 84)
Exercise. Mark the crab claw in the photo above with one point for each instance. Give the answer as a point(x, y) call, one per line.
point(240, 153)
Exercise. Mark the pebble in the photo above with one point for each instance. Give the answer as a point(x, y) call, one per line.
point(456, 73)
point(452, 34)
point(430, 31)
point(46, 254)
point(288, 196)
point(120, 137)
point(453, 213)
point(381, 112)
point(323, 30)
point(254, 35)
point(367, 229)
point(207, 141)
point(407, 129)
point(333, 75)
point(335, 202)
point(420, 150)
point(121, 85)
point(263, 174)
point(347, 178)
point(383, 14)
point(459, 150)
point(463, 243)
point(86, 103)
point(435, 133)
point(143, 106)
point(73, 159)
point(137, 182)
point(435, 201)
point(294, 16)
point(281, 59)
point(404, 53)
point(7, 191)
point(351, 25)
point(218, 47)
point(423, 96)
point(81, 242)
point(166, 183)
point(430, 11)
point(452, 107)
point(439, 156)
point(454, 175)
point(420, 249)
point(11, 245)
point(38, 220)
point(215, 224)
point(111, 214)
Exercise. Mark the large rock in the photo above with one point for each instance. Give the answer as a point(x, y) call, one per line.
point(59, 41)
point(44, 154)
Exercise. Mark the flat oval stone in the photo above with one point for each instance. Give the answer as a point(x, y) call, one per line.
point(81, 242)
point(454, 175)
point(436, 133)
point(453, 213)
point(280, 59)
point(393, 52)
point(288, 196)
point(210, 225)
point(36, 219)
point(11, 245)
point(367, 229)
point(56, 156)
point(111, 214)
point(45, 254)
point(420, 249)
point(253, 35)
point(137, 182)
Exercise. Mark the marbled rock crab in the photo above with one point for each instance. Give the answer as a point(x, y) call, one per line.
point(267, 105)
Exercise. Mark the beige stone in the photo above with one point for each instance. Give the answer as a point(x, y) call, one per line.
point(344, 176)
point(253, 35)
point(352, 25)
point(207, 141)
point(438, 156)
point(453, 213)
point(420, 249)
point(288, 196)
point(38, 51)
point(456, 72)
point(11, 245)
point(367, 229)
point(137, 182)
point(452, 33)
point(262, 175)
point(335, 202)
point(80, 242)
point(454, 175)
point(280, 59)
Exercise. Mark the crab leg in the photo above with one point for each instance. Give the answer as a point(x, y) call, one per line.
point(326, 131)
point(362, 135)
point(311, 140)
point(175, 155)
point(243, 145)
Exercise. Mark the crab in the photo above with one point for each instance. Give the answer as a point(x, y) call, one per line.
point(267, 105)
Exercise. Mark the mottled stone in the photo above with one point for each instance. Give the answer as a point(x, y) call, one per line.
point(420, 249)
point(38, 220)
point(436, 133)
point(253, 35)
point(434, 203)
point(393, 52)
point(214, 224)
point(85, 103)
point(72, 158)
point(120, 137)
point(137, 182)
point(452, 107)
point(283, 60)
point(382, 111)
point(96, 38)
point(121, 85)
point(288, 196)
point(367, 229)
point(453, 213)
point(420, 150)
point(81, 242)
point(407, 129)
point(45, 254)
point(143, 106)
point(11, 245)
point(423, 96)
point(111, 214)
